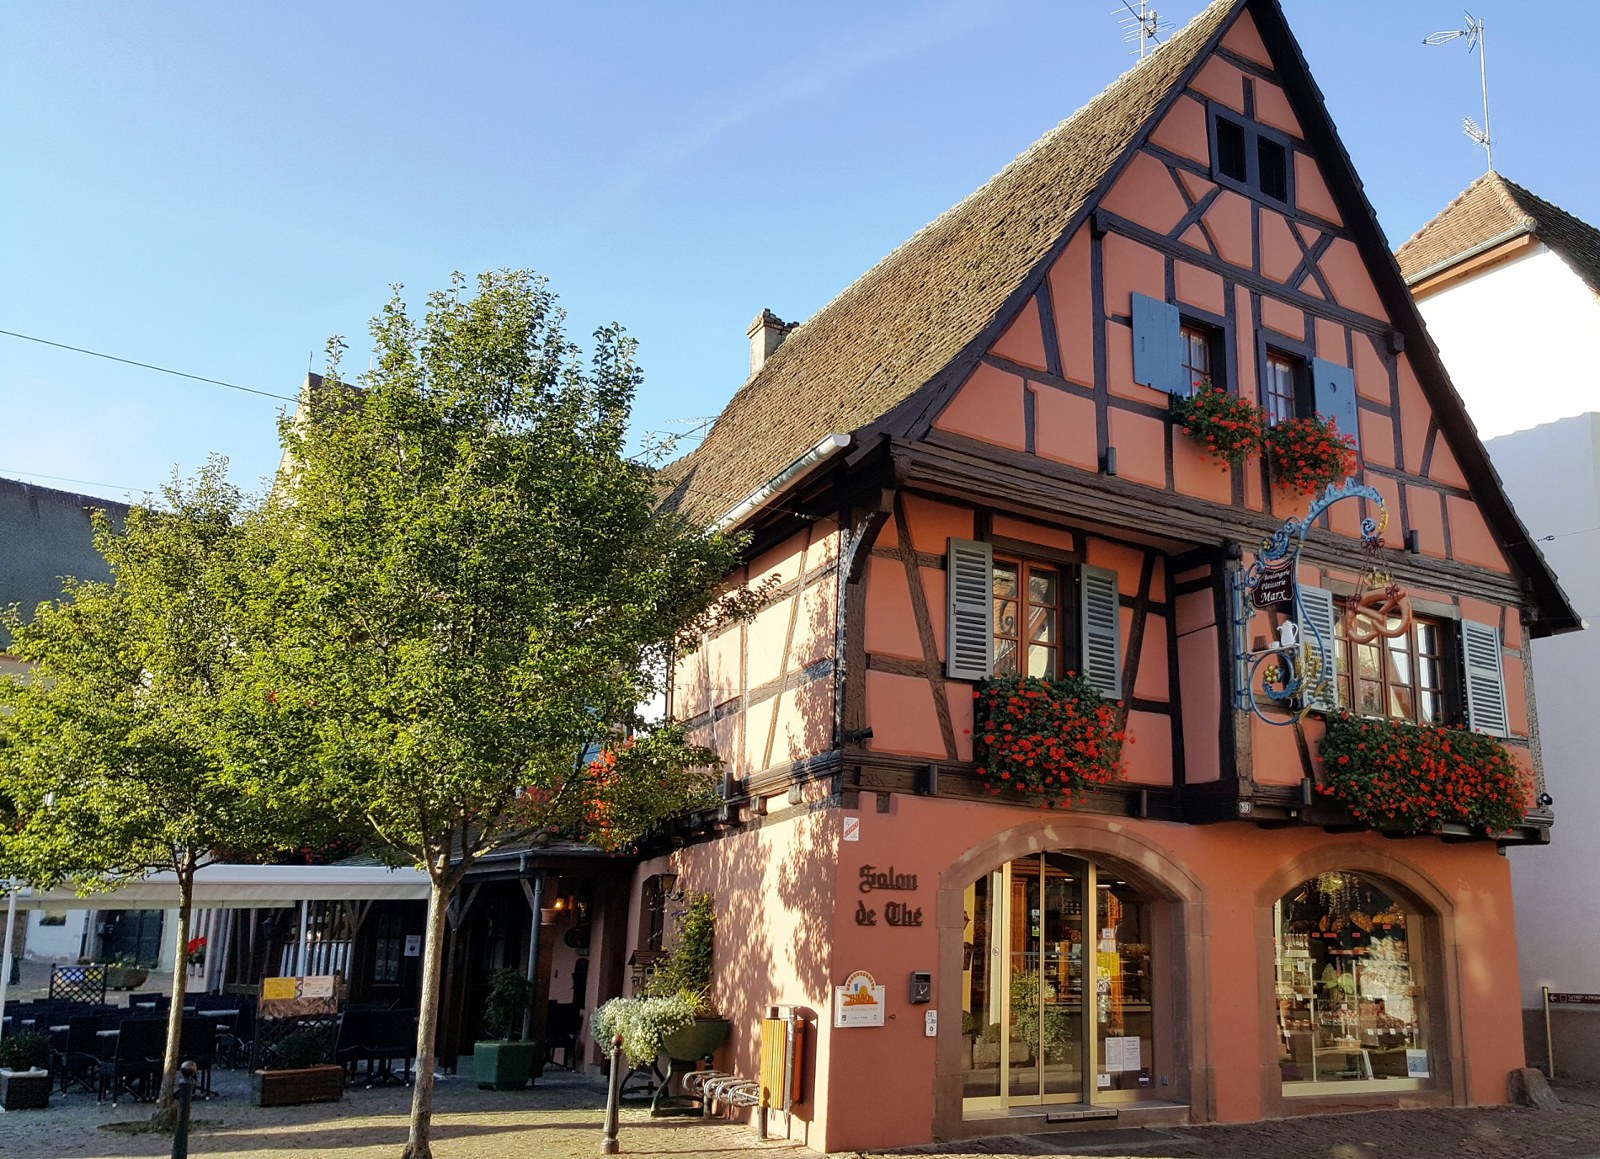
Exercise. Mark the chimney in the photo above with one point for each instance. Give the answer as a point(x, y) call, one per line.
point(766, 333)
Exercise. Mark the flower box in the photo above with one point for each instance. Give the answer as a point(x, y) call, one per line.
point(24, 1090)
point(287, 1088)
point(1407, 778)
point(1049, 740)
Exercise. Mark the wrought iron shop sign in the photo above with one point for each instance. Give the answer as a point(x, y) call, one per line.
point(1290, 677)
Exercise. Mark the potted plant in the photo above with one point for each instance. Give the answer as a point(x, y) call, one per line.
point(645, 1024)
point(1228, 428)
point(1417, 778)
point(687, 971)
point(24, 1073)
point(501, 1062)
point(1047, 739)
point(125, 973)
point(303, 1074)
point(1309, 454)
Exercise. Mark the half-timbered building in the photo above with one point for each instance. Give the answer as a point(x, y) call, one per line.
point(966, 467)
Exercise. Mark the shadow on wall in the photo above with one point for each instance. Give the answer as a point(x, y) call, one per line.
point(774, 890)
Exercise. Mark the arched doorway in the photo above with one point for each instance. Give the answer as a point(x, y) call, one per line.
point(1351, 993)
point(1059, 996)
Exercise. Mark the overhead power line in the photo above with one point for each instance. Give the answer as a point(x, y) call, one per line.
point(148, 366)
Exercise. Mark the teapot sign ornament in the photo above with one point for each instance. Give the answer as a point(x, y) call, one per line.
point(1281, 682)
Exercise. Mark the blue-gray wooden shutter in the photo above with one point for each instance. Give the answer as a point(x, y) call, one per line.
point(1100, 623)
point(969, 635)
point(1334, 395)
point(1157, 353)
point(1317, 623)
point(1485, 679)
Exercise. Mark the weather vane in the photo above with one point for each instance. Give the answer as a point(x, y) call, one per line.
point(1473, 35)
point(1142, 24)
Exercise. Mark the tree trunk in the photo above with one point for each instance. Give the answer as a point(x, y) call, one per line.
point(417, 1144)
point(165, 1116)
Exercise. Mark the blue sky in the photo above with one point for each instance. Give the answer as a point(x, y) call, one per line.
point(217, 188)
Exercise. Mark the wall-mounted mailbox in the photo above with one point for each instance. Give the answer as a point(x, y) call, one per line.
point(921, 986)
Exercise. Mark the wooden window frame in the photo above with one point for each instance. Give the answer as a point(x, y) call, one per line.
point(1215, 335)
point(1446, 658)
point(1066, 648)
point(1300, 360)
point(1254, 134)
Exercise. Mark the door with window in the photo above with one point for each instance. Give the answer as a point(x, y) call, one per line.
point(1057, 988)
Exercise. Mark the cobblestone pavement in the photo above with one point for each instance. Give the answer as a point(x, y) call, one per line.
point(1502, 1132)
point(560, 1118)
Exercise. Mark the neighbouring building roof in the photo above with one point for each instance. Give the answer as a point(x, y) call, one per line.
point(904, 320)
point(1493, 210)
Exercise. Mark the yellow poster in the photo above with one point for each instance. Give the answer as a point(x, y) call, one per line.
point(278, 987)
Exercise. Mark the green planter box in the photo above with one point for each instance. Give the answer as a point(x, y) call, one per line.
point(24, 1090)
point(502, 1065)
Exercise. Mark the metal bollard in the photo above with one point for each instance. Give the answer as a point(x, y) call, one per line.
point(185, 1093)
point(609, 1144)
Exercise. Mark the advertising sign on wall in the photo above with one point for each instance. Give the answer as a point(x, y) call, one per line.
point(859, 1002)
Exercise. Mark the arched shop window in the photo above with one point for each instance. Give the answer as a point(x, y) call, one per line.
point(1351, 1008)
point(1058, 991)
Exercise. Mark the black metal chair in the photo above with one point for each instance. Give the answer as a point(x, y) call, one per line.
point(80, 1058)
point(377, 1038)
point(135, 1065)
point(233, 1042)
point(197, 1041)
point(562, 1022)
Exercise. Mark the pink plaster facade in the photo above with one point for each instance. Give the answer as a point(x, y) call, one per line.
point(834, 708)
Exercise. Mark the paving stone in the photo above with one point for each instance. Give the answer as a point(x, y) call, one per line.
point(560, 1118)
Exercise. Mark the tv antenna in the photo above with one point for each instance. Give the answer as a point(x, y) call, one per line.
point(1142, 24)
point(1473, 35)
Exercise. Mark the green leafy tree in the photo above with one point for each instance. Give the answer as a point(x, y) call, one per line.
point(477, 588)
point(137, 741)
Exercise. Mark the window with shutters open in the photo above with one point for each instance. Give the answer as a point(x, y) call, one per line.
point(1172, 351)
point(1011, 616)
point(1437, 672)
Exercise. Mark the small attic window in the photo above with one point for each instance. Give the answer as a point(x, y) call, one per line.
point(1231, 150)
point(1272, 163)
point(1250, 158)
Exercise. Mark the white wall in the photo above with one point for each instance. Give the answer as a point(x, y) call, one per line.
point(1519, 342)
point(63, 943)
point(1552, 474)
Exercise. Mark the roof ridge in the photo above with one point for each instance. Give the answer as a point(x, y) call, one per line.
point(1455, 203)
point(879, 338)
point(1035, 147)
point(1507, 192)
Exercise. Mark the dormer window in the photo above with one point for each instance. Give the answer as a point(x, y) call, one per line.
point(1250, 158)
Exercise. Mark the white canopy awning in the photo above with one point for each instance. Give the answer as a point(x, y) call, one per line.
point(244, 887)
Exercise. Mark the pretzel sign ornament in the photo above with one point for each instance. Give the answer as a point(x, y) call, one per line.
point(1290, 676)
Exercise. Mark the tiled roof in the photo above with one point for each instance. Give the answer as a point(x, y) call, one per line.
point(908, 317)
point(1490, 208)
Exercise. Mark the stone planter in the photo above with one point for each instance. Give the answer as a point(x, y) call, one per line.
point(697, 1040)
point(685, 1048)
point(126, 977)
point(502, 1065)
point(287, 1088)
point(24, 1090)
